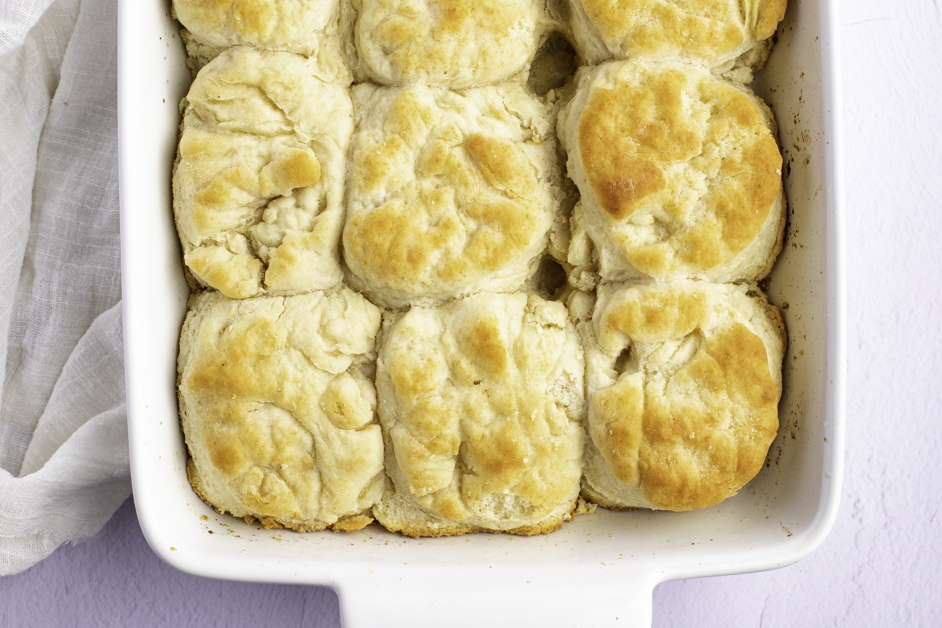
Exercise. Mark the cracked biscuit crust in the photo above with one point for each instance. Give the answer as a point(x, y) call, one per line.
point(481, 404)
point(448, 193)
point(684, 381)
point(258, 181)
point(278, 407)
point(680, 174)
point(720, 33)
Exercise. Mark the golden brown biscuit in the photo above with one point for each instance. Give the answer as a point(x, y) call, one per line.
point(724, 34)
point(448, 193)
point(305, 27)
point(481, 404)
point(680, 174)
point(683, 381)
point(451, 43)
point(278, 407)
point(258, 182)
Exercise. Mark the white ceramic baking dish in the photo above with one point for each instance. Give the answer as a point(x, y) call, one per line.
point(599, 570)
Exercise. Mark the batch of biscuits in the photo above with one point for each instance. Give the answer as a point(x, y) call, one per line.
point(476, 265)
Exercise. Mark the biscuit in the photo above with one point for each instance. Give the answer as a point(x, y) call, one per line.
point(723, 34)
point(277, 403)
point(450, 43)
point(305, 27)
point(481, 404)
point(683, 384)
point(258, 181)
point(448, 193)
point(680, 174)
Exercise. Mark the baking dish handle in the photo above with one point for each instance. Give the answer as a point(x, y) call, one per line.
point(457, 603)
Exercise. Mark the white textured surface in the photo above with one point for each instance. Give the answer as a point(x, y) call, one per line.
point(879, 565)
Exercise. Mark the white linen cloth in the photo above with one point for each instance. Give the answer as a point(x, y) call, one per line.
point(63, 434)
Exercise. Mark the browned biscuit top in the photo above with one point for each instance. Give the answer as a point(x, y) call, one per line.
point(278, 409)
point(481, 403)
point(453, 43)
point(293, 25)
point(714, 31)
point(683, 392)
point(680, 171)
point(448, 193)
point(258, 180)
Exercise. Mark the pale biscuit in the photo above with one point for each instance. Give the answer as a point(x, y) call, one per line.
point(450, 43)
point(448, 193)
point(683, 382)
point(259, 177)
point(481, 407)
point(306, 27)
point(277, 403)
point(724, 34)
point(680, 174)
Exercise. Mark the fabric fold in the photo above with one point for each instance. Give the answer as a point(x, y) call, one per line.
point(64, 464)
